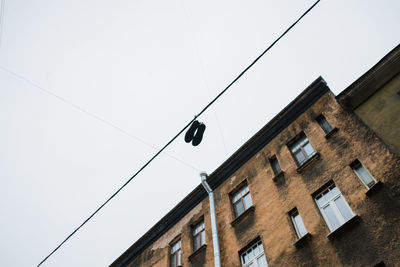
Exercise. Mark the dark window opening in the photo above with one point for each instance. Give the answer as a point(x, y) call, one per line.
point(275, 165)
point(325, 125)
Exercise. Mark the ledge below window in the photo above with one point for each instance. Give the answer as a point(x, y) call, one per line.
point(302, 241)
point(277, 176)
point(246, 213)
point(197, 252)
point(332, 132)
point(347, 225)
point(308, 162)
point(376, 187)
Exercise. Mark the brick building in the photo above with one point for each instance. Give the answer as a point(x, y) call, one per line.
point(314, 187)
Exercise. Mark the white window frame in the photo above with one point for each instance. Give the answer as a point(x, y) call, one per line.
point(176, 249)
point(240, 194)
point(334, 207)
point(293, 214)
point(298, 145)
point(198, 230)
point(357, 164)
point(253, 262)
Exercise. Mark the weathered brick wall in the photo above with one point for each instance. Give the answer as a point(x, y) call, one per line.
point(374, 238)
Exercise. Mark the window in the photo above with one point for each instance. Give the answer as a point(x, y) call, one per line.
point(302, 149)
point(254, 256)
point(363, 174)
point(333, 207)
point(241, 200)
point(176, 254)
point(325, 125)
point(199, 236)
point(275, 165)
point(298, 223)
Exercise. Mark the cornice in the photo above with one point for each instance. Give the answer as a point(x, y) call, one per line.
point(370, 82)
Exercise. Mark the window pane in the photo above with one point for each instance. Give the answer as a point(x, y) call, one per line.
point(257, 249)
point(364, 175)
point(179, 257)
point(328, 195)
point(275, 165)
point(198, 228)
point(238, 206)
point(239, 193)
point(309, 149)
point(245, 189)
point(173, 260)
point(247, 201)
point(320, 200)
point(325, 125)
point(303, 139)
point(301, 229)
point(176, 246)
point(250, 254)
point(335, 191)
point(333, 222)
point(196, 242)
point(262, 261)
point(203, 237)
point(295, 147)
point(299, 156)
point(343, 208)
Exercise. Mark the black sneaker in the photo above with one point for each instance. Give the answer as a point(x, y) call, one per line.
point(199, 134)
point(190, 133)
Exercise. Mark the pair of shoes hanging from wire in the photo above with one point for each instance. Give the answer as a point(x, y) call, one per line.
point(195, 133)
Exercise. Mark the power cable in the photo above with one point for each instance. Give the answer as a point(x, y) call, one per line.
point(181, 131)
point(92, 115)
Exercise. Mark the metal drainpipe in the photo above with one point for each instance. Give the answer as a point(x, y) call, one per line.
point(214, 230)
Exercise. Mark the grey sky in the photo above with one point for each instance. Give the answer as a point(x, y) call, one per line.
point(148, 67)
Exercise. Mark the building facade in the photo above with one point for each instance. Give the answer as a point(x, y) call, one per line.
point(314, 187)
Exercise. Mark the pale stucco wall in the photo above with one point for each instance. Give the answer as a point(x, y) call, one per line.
point(381, 112)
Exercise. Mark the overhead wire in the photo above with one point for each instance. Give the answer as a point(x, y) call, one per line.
point(96, 117)
point(181, 131)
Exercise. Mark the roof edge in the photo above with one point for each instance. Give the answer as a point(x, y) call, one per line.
point(371, 81)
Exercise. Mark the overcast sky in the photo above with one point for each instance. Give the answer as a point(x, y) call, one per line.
point(147, 67)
